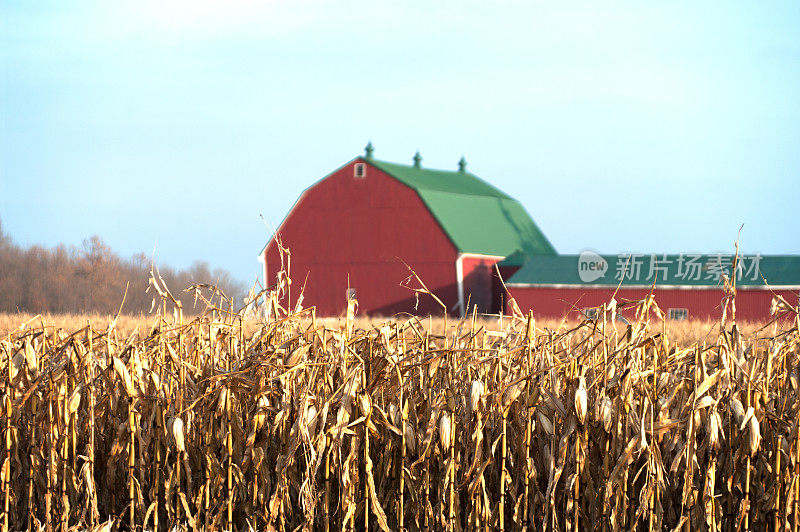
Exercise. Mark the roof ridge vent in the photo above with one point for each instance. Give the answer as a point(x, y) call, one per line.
point(462, 165)
point(417, 160)
point(368, 150)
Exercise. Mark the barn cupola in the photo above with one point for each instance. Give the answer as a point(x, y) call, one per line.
point(368, 150)
point(417, 160)
point(462, 165)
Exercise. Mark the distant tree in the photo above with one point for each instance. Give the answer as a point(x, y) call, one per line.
point(10, 269)
point(92, 278)
point(4, 239)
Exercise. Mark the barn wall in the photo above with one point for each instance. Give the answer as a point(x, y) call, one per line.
point(751, 305)
point(358, 231)
point(479, 272)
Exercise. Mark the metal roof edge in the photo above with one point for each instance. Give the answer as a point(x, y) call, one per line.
point(471, 255)
point(544, 236)
point(650, 286)
point(411, 167)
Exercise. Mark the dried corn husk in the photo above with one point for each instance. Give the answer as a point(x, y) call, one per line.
point(30, 358)
point(475, 396)
point(75, 399)
point(365, 405)
point(512, 393)
point(738, 411)
point(444, 431)
point(177, 434)
point(545, 423)
point(394, 415)
point(311, 419)
point(16, 364)
point(261, 413)
point(297, 356)
point(606, 414)
point(581, 402)
point(753, 435)
point(713, 429)
point(122, 371)
point(410, 437)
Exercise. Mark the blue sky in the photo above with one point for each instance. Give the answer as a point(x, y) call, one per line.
point(621, 126)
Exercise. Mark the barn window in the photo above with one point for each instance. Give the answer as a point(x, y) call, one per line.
point(351, 293)
point(678, 313)
point(360, 170)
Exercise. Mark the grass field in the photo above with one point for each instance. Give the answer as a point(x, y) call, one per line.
point(226, 423)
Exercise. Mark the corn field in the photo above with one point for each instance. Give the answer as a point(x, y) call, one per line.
point(298, 425)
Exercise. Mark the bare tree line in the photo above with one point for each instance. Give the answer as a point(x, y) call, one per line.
point(92, 278)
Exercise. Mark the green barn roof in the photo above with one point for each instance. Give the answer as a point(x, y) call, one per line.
point(590, 269)
point(477, 217)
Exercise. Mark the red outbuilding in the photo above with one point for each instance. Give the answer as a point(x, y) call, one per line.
point(685, 286)
point(359, 232)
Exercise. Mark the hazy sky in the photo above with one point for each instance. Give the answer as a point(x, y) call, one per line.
point(621, 126)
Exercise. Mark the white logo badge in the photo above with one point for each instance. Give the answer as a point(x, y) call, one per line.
point(591, 266)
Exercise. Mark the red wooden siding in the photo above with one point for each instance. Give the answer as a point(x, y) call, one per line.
point(751, 305)
point(361, 229)
point(479, 275)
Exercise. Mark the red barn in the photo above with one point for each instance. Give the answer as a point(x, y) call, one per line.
point(684, 286)
point(353, 232)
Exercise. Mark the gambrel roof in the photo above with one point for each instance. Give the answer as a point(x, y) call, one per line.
point(477, 217)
